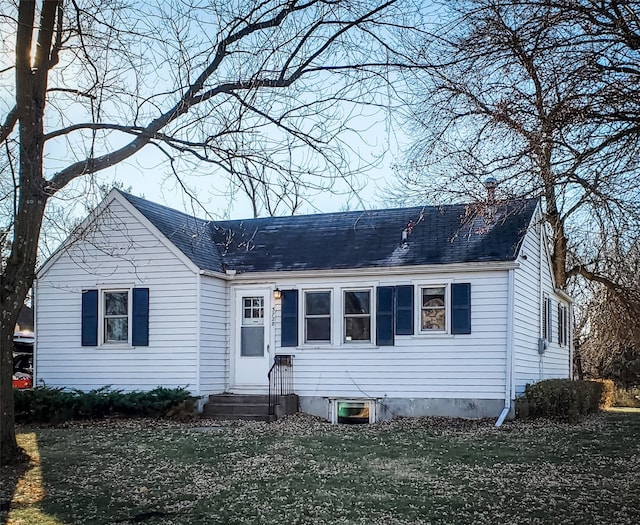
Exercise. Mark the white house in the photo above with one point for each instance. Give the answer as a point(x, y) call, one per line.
point(446, 310)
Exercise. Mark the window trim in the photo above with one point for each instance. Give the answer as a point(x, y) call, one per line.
point(102, 316)
point(304, 316)
point(370, 403)
point(370, 315)
point(563, 324)
point(446, 308)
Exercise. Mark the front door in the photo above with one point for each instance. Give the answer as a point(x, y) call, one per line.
point(252, 336)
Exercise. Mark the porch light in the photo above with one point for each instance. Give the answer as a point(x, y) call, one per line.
point(277, 294)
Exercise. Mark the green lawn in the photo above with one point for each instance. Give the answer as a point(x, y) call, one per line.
point(301, 470)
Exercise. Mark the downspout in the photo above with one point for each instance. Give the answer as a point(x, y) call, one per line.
point(198, 342)
point(542, 301)
point(569, 323)
point(508, 373)
point(34, 374)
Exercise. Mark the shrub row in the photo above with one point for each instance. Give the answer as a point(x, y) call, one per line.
point(55, 405)
point(564, 399)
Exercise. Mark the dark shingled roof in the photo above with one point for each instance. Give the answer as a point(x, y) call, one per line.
point(359, 239)
point(191, 235)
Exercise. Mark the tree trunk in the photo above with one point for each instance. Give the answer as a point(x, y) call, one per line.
point(555, 220)
point(16, 281)
point(19, 271)
point(9, 450)
point(559, 255)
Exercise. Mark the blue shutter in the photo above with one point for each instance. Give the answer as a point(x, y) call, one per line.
point(140, 317)
point(404, 310)
point(289, 323)
point(461, 308)
point(384, 315)
point(89, 318)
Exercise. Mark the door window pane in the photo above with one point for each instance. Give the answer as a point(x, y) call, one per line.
point(252, 341)
point(253, 310)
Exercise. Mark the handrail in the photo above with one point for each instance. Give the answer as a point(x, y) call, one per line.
point(280, 378)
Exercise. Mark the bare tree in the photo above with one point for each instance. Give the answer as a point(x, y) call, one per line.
point(610, 339)
point(96, 82)
point(542, 96)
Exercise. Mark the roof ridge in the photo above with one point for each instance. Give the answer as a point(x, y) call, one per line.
point(131, 198)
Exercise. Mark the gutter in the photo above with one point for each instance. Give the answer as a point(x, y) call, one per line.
point(508, 374)
point(374, 271)
point(563, 295)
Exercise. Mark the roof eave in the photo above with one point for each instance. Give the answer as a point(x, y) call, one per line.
point(376, 271)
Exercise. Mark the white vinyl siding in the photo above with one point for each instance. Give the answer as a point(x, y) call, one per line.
point(532, 285)
point(214, 335)
point(433, 365)
point(119, 253)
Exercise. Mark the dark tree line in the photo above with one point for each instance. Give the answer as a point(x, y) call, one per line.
point(545, 97)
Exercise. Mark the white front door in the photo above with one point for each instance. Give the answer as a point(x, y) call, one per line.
point(252, 338)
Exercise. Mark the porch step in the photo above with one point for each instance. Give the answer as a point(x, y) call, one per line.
point(254, 407)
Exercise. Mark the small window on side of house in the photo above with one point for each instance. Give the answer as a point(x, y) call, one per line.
point(357, 316)
point(317, 317)
point(547, 319)
point(563, 325)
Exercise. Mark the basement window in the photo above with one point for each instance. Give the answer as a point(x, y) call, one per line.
point(353, 412)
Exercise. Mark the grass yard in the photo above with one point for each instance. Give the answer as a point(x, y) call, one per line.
point(301, 470)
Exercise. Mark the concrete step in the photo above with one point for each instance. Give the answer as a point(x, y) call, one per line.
point(242, 417)
point(234, 408)
point(239, 399)
point(247, 406)
point(252, 407)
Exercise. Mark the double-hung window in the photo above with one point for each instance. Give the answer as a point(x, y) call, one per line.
point(433, 310)
point(116, 316)
point(357, 315)
point(317, 317)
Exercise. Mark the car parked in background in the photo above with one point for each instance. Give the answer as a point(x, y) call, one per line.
point(23, 359)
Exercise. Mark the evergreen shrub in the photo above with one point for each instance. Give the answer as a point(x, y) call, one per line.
point(55, 405)
point(561, 399)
